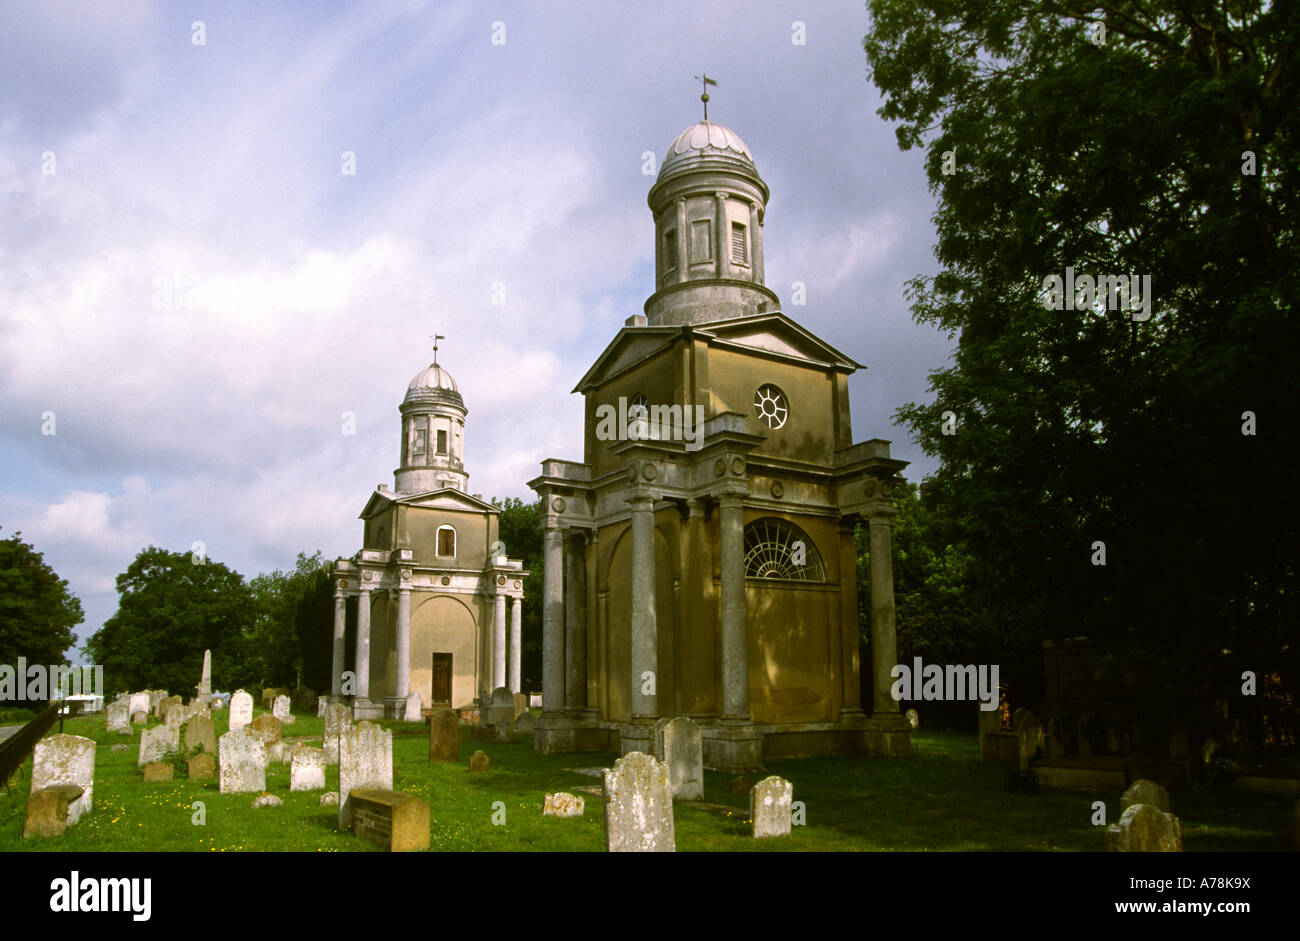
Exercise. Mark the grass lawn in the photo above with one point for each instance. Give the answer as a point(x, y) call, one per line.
point(940, 799)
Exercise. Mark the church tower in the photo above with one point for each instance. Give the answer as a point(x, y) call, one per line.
point(433, 434)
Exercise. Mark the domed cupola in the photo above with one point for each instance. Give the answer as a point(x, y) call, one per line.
point(433, 434)
point(708, 204)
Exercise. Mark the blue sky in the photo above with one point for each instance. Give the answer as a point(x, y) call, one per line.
point(220, 165)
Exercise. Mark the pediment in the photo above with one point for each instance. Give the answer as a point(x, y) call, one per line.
point(446, 498)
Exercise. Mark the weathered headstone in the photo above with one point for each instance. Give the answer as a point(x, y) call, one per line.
point(638, 806)
point(501, 713)
point(139, 703)
point(1143, 791)
point(202, 766)
point(155, 697)
point(159, 771)
point(562, 804)
point(365, 761)
point(444, 736)
point(521, 704)
point(155, 744)
point(166, 704)
point(267, 728)
point(241, 710)
point(47, 810)
point(199, 733)
point(119, 717)
point(524, 725)
point(329, 799)
point(307, 772)
point(479, 761)
point(120, 746)
point(412, 711)
point(280, 710)
point(303, 700)
point(913, 718)
point(338, 719)
point(174, 715)
point(196, 707)
point(770, 806)
point(1030, 735)
point(267, 800)
point(60, 760)
point(322, 703)
point(280, 752)
point(1145, 828)
point(679, 743)
point(741, 784)
point(241, 758)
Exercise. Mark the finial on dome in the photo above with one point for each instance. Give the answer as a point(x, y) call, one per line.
point(706, 81)
point(436, 337)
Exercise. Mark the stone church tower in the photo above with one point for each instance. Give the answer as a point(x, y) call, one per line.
point(431, 583)
point(699, 560)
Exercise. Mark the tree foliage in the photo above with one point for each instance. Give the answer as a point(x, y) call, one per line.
point(287, 604)
point(520, 530)
point(1118, 139)
point(37, 610)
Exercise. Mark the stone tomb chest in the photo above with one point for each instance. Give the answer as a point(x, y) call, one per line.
point(398, 822)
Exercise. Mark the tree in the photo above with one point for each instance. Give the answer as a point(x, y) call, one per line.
point(279, 648)
point(1156, 140)
point(172, 607)
point(37, 611)
point(314, 623)
point(519, 526)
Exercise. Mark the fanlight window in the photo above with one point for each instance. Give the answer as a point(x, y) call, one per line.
point(446, 542)
point(771, 406)
point(777, 549)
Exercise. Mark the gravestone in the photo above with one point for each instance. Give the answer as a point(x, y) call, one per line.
point(267, 728)
point(202, 766)
point(1057, 737)
point(1145, 828)
point(159, 771)
point(204, 689)
point(60, 760)
point(562, 804)
point(413, 705)
point(478, 761)
point(638, 806)
point(329, 799)
point(139, 718)
point(280, 752)
point(444, 736)
point(155, 697)
point(47, 810)
point(197, 708)
point(338, 719)
point(521, 704)
point(524, 725)
point(155, 744)
point(280, 710)
point(741, 784)
point(168, 703)
point(365, 761)
point(174, 715)
point(1030, 736)
point(119, 717)
point(322, 703)
point(1143, 791)
point(120, 747)
point(139, 703)
point(679, 743)
point(501, 713)
point(241, 762)
point(770, 806)
point(199, 733)
point(307, 771)
point(267, 800)
point(913, 718)
point(241, 710)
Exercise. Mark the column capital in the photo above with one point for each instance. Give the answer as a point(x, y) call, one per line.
point(641, 495)
point(732, 498)
point(694, 507)
point(719, 194)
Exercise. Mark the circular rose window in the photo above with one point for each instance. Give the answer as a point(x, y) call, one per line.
point(770, 406)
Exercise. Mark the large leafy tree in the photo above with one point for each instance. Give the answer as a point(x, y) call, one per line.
point(37, 611)
point(520, 530)
point(172, 607)
point(1153, 138)
point(279, 647)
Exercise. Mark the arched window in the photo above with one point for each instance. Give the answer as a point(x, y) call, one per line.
point(446, 547)
point(775, 548)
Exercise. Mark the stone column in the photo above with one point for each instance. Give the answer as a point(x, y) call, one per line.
point(552, 621)
point(755, 244)
point(516, 638)
point(850, 666)
point(340, 628)
point(723, 246)
point(404, 639)
point(682, 237)
point(645, 632)
point(575, 626)
point(363, 643)
point(499, 638)
point(735, 634)
point(884, 642)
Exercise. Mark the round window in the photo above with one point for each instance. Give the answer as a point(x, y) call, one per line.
point(770, 406)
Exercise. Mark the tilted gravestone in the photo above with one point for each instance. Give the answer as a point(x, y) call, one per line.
point(444, 736)
point(199, 733)
point(638, 806)
point(266, 728)
point(1143, 791)
point(119, 717)
point(241, 710)
point(280, 710)
point(338, 719)
point(156, 744)
point(679, 742)
point(770, 807)
point(47, 810)
point(61, 760)
point(241, 759)
point(365, 761)
point(174, 715)
point(307, 771)
point(1145, 828)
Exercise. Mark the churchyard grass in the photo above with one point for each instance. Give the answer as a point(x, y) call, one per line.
point(940, 799)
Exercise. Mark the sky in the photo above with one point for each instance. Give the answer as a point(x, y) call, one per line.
point(207, 324)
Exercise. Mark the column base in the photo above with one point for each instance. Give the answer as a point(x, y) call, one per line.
point(394, 707)
point(558, 733)
point(367, 709)
point(733, 745)
point(886, 735)
point(637, 735)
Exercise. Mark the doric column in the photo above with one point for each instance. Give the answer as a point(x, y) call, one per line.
point(516, 639)
point(552, 621)
point(850, 666)
point(884, 642)
point(363, 643)
point(575, 626)
point(645, 633)
point(735, 635)
point(723, 235)
point(499, 638)
point(755, 243)
point(682, 236)
point(404, 637)
point(340, 627)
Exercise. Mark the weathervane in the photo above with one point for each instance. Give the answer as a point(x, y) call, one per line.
point(436, 337)
point(706, 82)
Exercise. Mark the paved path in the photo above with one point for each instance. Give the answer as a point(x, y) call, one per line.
point(8, 730)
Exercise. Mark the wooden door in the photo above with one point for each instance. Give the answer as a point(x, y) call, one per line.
point(441, 678)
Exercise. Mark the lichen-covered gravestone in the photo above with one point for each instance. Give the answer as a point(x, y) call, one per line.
point(1145, 828)
point(156, 744)
point(770, 806)
point(638, 806)
point(679, 742)
point(338, 719)
point(202, 766)
point(307, 772)
point(119, 716)
point(1143, 791)
point(241, 710)
point(365, 761)
point(501, 714)
point(412, 712)
point(444, 736)
point(267, 728)
point(66, 760)
point(562, 804)
point(241, 758)
point(280, 710)
point(479, 761)
point(139, 703)
point(199, 733)
point(174, 715)
point(322, 703)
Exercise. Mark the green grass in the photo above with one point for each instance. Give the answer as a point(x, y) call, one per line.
point(939, 799)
